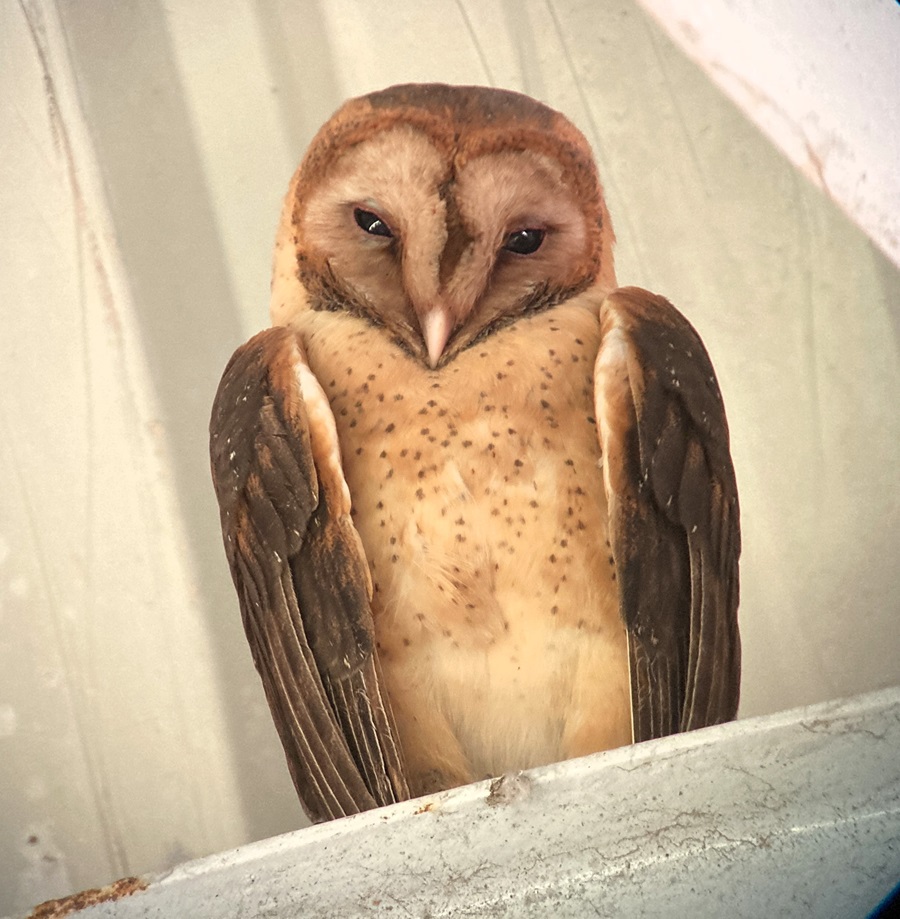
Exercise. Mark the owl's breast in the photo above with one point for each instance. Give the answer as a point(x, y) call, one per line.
point(478, 496)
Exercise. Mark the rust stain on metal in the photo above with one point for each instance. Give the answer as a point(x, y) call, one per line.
point(56, 909)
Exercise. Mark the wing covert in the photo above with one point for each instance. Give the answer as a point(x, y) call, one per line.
point(673, 514)
point(302, 578)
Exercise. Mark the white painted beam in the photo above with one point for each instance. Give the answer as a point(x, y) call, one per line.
point(795, 814)
point(821, 78)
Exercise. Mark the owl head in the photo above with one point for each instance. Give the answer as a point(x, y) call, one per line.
point(441, 213)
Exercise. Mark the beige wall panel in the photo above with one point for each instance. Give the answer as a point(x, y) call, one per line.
point(114, 756)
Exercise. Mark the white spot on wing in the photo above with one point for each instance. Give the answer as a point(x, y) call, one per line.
point(610, 377)
point(321, 422)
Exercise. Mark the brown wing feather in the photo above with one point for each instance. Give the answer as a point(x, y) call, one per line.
point(302, 582)
point(674, 520)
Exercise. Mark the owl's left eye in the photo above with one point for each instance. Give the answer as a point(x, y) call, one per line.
point(371, 223)
point(524, 242)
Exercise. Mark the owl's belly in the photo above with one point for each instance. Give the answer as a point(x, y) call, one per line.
point(503, 624)
point(479, 501)
point(518, 698)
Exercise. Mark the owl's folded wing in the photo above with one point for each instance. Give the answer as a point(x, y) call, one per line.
point(673, 509)
point(302, 579)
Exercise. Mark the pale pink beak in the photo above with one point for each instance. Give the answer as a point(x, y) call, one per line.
point(437, 324)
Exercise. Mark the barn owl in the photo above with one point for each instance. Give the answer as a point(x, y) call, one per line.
point(477, 501)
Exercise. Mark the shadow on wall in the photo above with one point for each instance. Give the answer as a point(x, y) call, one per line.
point(175, 262)
point(296, 45)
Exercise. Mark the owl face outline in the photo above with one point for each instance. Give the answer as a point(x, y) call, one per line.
point(443, 236)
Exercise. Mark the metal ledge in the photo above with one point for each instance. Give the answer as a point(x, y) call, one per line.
point(794, 814)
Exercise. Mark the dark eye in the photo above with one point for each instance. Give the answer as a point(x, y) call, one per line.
point(371, 223)
point(524, 242)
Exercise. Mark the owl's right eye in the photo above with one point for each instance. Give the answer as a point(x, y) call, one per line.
point(371, 223)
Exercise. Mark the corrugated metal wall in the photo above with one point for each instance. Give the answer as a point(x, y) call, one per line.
point(145, 150)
